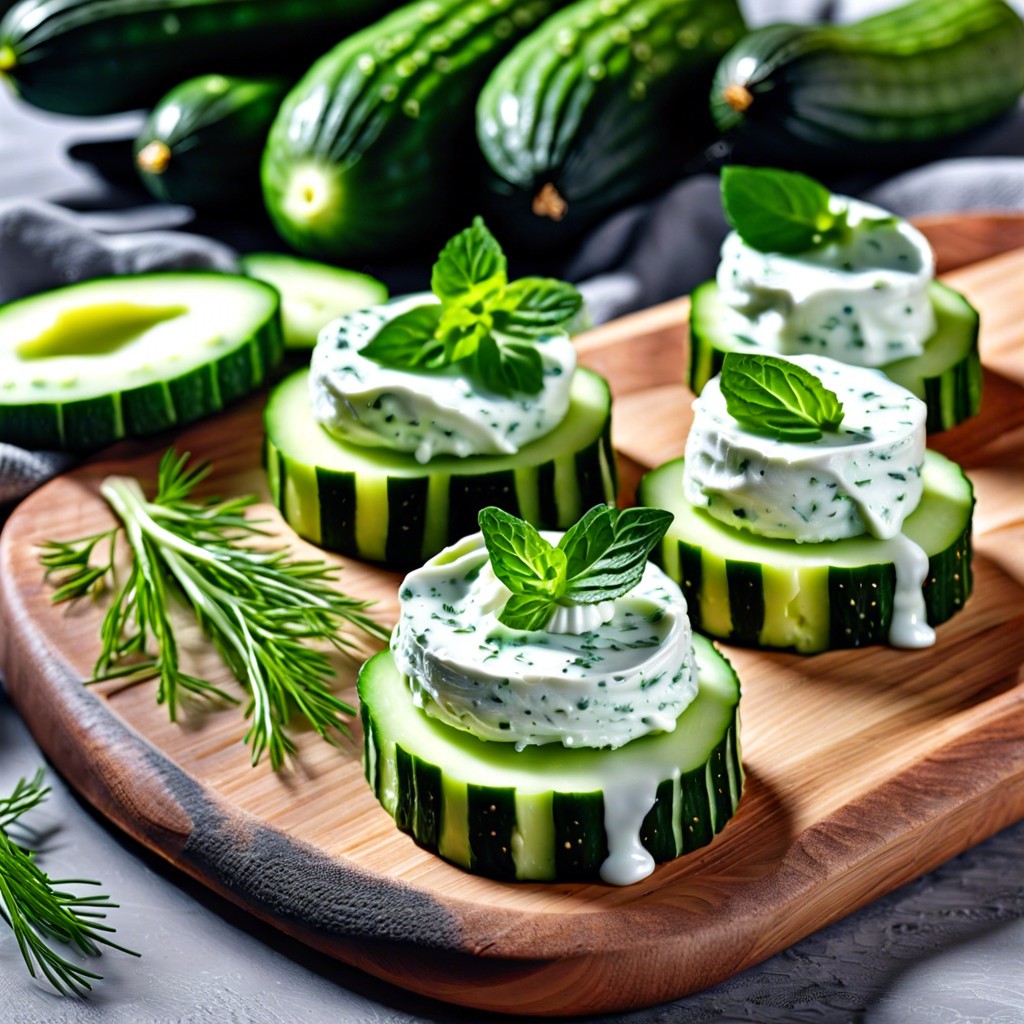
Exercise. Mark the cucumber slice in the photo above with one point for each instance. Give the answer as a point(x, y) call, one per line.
point(84, 366)
point(384, 506)
point(759, 592)
point(946, 376)
point(312, 294)
point(539, 814)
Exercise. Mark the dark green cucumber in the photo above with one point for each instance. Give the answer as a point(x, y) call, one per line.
point(602, 105)
point(891, 88)
point(373, 150)
point(312, 294)
point(84, 366)
point(201, 144)
point(384, 506)
point(759, 592)
point(538, 814)
point(101, 56)
point(946, 376)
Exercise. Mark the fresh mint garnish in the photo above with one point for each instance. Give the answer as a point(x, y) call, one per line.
point(780, 211)
point(601, 558)
point(775, 397)
point(482, 318)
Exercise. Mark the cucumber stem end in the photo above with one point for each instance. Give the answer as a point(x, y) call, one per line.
point(548, 202)
point(739, 97)
point(154, 157)
point(8, 58)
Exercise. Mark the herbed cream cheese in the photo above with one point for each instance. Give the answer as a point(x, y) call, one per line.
point(863, 478)
point(863, 300)
point(630, 673)
point(428, 413)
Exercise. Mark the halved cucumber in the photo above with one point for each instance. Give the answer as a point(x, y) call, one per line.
point(946, 376)
point(760, 592)
point(540, 813)
point(384, 506)
point(312, 294)
point(87, 365)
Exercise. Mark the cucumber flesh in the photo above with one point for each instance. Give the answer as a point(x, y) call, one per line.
point(384, 506)
point(87, 365)
point(548, 812)
point(759, 592)
point(946, 376)
point(312, 294)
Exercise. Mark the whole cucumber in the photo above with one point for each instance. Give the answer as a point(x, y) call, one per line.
point(887, 89)
point(201, 144)
point(103, 56)
point(603, 104)
point(373, 150)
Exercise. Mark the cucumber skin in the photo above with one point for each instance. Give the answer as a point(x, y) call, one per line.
point(394, 142)
point(218, 127)
point(670, 829)
point(92, 57)
point(85, 425)
point(888, 89)
point(952, 397)
point(601, 142)
point(859, 600)
point(407, 544)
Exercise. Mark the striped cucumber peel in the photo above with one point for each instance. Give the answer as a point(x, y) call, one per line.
point(167, 349)
point(372, 148)
point(594, 91)
point(759, 592)
point(91, 57)
point(312, 294)
point(539, 814)
point(892, 86)
point(201, 144)
point(946, 376)
point(384, 506)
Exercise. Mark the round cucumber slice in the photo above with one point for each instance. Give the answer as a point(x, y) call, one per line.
point(87, 365)
point(312, 294)
point(946, 376)
point(760, 592)
point(384, 506)
point(539, 814)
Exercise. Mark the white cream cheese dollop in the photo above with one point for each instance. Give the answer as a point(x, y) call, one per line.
point(863, 478)
point(630, 671)
point(437, 412)
point(863, 300)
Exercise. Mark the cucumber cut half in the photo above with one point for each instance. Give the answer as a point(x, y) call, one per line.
point(539, 814)
point(312, 294)
point(759, 592)
point(384, 506)
point(87, 365)
point(946, 376)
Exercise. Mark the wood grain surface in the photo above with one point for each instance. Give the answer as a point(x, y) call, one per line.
point(864, 769)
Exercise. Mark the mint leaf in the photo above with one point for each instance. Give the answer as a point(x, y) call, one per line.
point(461, 332)
point(520, 557)
point(408, 341)
point(471, 268)
point(779, 211)
point(775, 397)
point(533, 307)
point(610, 559)
point(523, 612)
point(505, 367)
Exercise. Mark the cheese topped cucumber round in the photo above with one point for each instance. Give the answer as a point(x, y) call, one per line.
point(87, 365)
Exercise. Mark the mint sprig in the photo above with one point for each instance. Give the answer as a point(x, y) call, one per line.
point(601, 558)
point(483, 320)
point(777, 398)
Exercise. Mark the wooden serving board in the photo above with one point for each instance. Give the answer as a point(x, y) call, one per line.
point(864, 769)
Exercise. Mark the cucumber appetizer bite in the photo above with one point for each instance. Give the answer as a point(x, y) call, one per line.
point(805, 271)
point(809, 515)
point(87, 365)
point(545, 713)
point(417, 414)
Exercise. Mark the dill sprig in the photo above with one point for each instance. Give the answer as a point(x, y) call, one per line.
point(40, 912)
point(260, 608)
